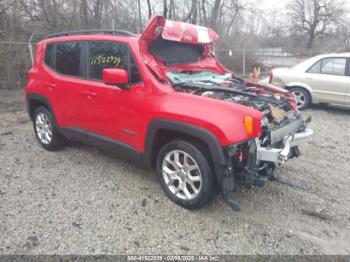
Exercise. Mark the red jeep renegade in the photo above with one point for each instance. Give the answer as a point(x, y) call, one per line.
point(163, 99)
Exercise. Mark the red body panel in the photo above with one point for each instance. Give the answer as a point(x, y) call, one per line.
point(124, 115)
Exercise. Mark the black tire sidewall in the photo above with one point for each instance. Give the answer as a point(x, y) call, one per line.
point(207, 188)
point(56, 140)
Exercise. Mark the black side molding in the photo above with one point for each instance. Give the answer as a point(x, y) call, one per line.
point(115, 147)
point(206, 136)
point(104, 143)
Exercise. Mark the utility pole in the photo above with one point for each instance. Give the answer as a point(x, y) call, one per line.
point(140, 19)
point(113, 24)
point(243, 62)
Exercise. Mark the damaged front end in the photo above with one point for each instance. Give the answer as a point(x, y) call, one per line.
point(282, 129)
point(180, 54)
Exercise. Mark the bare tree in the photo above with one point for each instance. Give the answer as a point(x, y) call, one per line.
point(149, 8)
point(165, 8)
point(204, 12)
point(235, 7)
point(193, 13)
point(172, 10)
point(214, 14)
point(314, 17)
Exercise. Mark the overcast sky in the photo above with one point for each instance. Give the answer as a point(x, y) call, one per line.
point(269, 5)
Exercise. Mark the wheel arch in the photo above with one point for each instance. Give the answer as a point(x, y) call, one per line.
point(36, 100)
point(301, 85)
point(161, 131)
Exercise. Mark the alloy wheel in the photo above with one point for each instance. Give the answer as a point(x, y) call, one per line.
point(299, 98)
point(43, 128)
point(182, 175)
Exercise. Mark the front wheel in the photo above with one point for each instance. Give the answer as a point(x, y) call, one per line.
point(185, 174)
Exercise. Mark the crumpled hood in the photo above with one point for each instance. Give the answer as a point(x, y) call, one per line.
point(178, 46)
point(172, 46)
point(178, 31)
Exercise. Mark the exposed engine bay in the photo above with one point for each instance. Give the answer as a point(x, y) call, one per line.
point(283, 128)
point(275, 107)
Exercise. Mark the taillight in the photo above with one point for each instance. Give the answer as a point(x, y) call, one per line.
point(270, 77)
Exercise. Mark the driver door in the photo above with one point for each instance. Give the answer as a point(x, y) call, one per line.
point(110, 111)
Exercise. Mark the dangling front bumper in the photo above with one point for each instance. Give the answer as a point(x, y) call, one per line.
point(280, 154)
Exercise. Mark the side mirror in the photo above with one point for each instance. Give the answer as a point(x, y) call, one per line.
point(115, 76)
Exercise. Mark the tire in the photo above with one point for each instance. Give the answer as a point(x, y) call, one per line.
point(194, 193)
point(45, 130)
point(302, 97)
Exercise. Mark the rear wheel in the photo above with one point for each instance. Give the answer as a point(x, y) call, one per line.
point(185, 175)
point(302, 97)
point(45, 130)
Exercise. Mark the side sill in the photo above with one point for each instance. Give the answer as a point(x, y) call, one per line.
point(104, 143)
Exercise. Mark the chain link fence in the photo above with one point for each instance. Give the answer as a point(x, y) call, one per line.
point(15, 61)
point(243, 60)
point(14, 64)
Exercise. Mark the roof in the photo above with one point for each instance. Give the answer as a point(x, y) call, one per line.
point(333, 55)
point(93, 31)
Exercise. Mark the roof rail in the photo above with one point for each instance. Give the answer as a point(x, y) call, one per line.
point(93, 31)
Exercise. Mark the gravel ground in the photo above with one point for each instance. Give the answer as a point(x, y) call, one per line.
point(83, 201)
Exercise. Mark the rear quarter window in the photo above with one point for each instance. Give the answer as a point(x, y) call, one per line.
point(49, 55)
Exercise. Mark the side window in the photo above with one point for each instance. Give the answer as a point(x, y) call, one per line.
point(49, 55)
point(68, 58)
point(333, 66)
point(134, 71)
point(315, 69)
point(111, 55)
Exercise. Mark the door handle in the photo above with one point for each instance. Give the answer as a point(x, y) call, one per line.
point(89, 95)
point(309, 78)
point(50, 86)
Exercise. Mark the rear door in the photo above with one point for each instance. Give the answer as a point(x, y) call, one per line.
point(64, 67)
point(329, 80)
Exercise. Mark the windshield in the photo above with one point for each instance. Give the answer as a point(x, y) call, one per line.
point(305, 64)
point(199, 77)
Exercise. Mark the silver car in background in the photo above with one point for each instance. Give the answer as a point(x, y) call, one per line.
point(320, 79)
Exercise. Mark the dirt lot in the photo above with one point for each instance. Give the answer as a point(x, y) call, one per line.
point(83, 201)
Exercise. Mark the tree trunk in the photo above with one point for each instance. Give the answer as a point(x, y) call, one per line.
point(84, 13)
point(311, 41)
point(149, 9)
point(172, 10)
point(98, 9)
point(140, 17)
point(204, 12)
point(165, 8)
point(194, 12)
point(214, 14)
